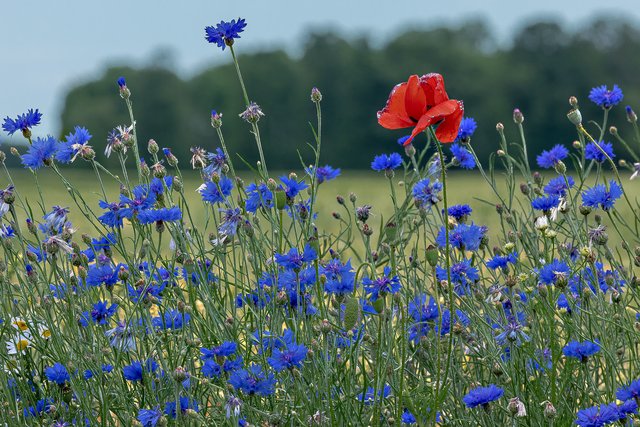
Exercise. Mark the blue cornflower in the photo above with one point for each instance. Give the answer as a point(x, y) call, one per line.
point(467, 127)
point(631, 391)
point(7, 232)
point(369, 397)
point(556, 270)
point(463, 236)
point(253, 381)
point(40, 153)
point(24, 122)
point(502, 261)
point(171, 408)
point(408, 417)
point(459, 212)
point(549, 158)
point(592, 152)
point(55, 220)
point(149, 417)
point(102, 311)
point(258, 196)
point(581, 350)
point(512, 332)
point(288, 358)
point(74, 142)
point(463, 157)
point(218, 161)
point(421, 310)
point(462, 276)
point(324, 173)
point(381, 286)
point(230, 220)
point(43, 406)
point(597, 416)
point(558, 186)
point(482, 395)
point(57, 373)
point(605, 98)
point(386, 162)
point(216, 193)
point(598, 195)
point(97, 274)
point(136, 369)
point(293, 260)
point(211, 369)
point(225, 349)
point(172, 319)
point(340, 277)
point(425, 194)
point(545, 204)
point(150, 216)
point(224, 33)
point(292, 186)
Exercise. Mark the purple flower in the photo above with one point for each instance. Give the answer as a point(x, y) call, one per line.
point(40, 152)
point(598, 195)
point(386, 162)
point(592, 152)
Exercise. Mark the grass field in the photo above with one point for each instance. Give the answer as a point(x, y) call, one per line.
point(370, 188)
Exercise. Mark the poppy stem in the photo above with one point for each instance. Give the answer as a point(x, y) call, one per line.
point(443, 173)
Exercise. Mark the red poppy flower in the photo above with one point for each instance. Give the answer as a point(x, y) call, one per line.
point(419, 103)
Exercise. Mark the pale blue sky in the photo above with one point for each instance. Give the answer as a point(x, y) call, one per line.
point(50, 46)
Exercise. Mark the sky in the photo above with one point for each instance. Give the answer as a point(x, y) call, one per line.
point(52, 46)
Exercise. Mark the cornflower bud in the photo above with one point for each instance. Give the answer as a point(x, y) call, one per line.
point(518, 117)
point(316, 96)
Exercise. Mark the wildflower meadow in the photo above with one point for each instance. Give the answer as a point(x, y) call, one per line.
point(225, 302)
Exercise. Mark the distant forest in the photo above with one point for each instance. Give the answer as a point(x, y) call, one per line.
point(537, 72)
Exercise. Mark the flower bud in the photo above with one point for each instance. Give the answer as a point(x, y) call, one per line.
point(216, 119)
point(537, 178)
point(631, 115)
point(152, 147)
point(500, 127)
point(316, 96)
point(575, 116)
point(573, 101)
point(524, 189)
point(549, 410)
point(518, 117)
point(560, 167)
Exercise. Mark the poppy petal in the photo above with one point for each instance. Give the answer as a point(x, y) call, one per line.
point(394, 114)
point(448, 130)
point(433, 86)
point(415, 100)
point(424, 122)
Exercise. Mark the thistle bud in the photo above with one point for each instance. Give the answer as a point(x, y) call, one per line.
point(518, 117)
point(432, 255)
point(366, 230)
point(585, 210)
point(560, 167)
point(410, 150)
point(577, 145)
point(573, 101)
point(524, 189)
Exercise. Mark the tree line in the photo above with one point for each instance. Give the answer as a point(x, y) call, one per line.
point(543, 65)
